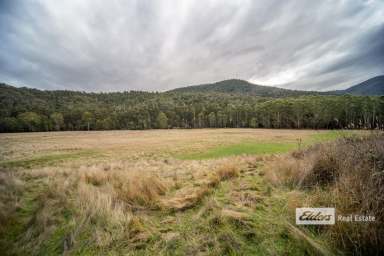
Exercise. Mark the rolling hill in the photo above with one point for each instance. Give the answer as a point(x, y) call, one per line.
point(237, 86)
point(371, 87)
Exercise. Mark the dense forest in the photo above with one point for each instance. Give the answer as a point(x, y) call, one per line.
point(23, 109)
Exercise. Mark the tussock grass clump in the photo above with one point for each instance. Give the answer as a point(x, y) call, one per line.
point(138, 188)
point(101, 207)
point(135, 188)
point(347, 174)
point(224, 171)
point(95, 177)
point(287, 170)
point(227, 170)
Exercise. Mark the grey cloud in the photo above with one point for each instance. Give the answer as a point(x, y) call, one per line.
point(95, 45)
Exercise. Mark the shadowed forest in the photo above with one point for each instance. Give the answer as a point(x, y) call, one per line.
point(23, 109)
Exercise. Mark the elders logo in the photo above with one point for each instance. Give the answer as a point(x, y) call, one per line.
point(315, 216)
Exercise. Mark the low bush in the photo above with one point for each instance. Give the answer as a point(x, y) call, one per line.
point(347, 174)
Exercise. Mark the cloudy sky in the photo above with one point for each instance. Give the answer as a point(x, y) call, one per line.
point(114, 45)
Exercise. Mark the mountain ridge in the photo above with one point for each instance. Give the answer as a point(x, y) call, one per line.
point(371, 87)
point(238, 86)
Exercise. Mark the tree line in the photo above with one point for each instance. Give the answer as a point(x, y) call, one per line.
point(24, 110)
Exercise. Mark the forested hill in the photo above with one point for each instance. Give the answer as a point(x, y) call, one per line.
point(236, 86)
point(23, 109)
point(373, 86)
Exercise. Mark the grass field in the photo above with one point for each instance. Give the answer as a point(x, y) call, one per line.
point(164, 192)
point(36, 149)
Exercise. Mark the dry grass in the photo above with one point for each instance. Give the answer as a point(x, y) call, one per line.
point(103, 200)
point(287, 170)
point(120, 200)
point(234, 215)
point(227, 170)
point(101, 206)
point(224, 171)
point(131, 187)
point(110, 202)
point(11, 188)
point(188, 197)
point(185, 198)
point(348, 175)
point(136, 144)
point(317, 165)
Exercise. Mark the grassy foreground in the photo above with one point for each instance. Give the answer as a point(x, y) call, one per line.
point(158, 193)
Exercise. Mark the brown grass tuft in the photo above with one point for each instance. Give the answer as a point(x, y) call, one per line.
point(95, 177)
point(235, 215)
point(137, 188)
point(186, 198)
point(101, 207)
point(132, 187)
point(287, 170)
point(222, 172)
point(227, 170)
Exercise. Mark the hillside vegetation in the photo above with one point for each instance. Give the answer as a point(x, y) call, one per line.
point(373, 86)
point(370, 87)
point(241, 87)
point(23, 109)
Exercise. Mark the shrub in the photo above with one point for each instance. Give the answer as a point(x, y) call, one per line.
point(324, 171)
point(347, 174)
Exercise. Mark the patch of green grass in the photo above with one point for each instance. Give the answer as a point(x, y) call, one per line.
point(327, 136)
point(21, 219)
point(47, 160)
point(257, 148)
point(245, 148)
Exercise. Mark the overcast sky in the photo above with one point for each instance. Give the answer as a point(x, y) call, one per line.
point(115, 45)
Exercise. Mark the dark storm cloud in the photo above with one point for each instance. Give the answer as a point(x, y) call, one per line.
point(96, 45)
